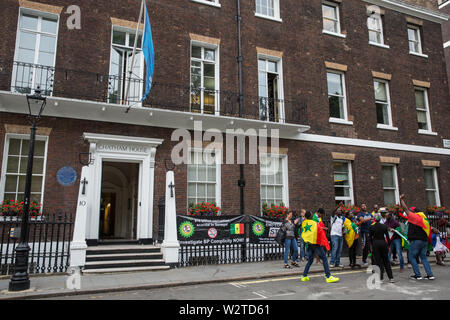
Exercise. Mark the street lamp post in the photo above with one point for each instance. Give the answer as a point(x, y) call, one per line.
point(20, 280)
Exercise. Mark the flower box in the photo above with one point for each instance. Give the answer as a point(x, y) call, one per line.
point(203, 209)
point(278, 212)
point(14, 208)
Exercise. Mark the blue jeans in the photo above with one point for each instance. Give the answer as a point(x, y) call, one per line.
point(302, 248)
point(397, 243)
point(313, 250)
point(288, 244)
point(336, 250)
point(418, 249)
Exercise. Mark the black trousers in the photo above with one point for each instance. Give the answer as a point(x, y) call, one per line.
point(380, 255)
point(352, 252)
point(365, 242)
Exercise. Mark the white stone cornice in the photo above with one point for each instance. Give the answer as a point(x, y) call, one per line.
point(411, 9)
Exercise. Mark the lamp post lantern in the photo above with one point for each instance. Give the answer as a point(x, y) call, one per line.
point(20, 280)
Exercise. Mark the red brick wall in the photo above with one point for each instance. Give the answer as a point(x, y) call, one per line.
point(304, 49)
point(300, 39)
point(310, 170)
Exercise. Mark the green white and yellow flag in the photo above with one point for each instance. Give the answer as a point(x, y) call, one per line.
point(350, 232)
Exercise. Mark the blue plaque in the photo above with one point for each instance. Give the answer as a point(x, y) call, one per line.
point(66, 176)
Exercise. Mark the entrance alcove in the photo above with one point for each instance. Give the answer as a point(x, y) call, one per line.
point(118, 204)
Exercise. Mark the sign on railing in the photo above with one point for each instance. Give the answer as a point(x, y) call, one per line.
point(263, 230)
point(211, 230)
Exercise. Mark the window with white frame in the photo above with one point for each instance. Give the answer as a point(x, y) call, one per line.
point(390, 184)
point(337, 95)
point(414, 39)
point(204, 79)
point(35, 52)
point(273, 180)
point(203, 182)
point(120, 79)
point(269, 89)
point(330, 17)
point(343, 184)
point(382, 102)
point(423, 110)
point(375, 26)
point(431, 187)
point(15, 168)
point(268, 8)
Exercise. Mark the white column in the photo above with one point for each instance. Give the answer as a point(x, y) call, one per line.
point(170, 246)
point(78, 245)
point(93, 212)
point(151, 192)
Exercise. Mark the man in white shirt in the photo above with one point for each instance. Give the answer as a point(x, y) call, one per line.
point(337, 227)
point(383, 212)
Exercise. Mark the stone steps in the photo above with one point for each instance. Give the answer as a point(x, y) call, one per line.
point(123, 257)
point(133, 269)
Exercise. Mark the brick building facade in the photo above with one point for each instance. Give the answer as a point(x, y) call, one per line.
point(334, 145)
point(444, 7)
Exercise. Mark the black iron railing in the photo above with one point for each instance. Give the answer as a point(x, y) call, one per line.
point(229, 253)
point(26, 77)
point(49, 242)
point(191, 255)
point(89, 86)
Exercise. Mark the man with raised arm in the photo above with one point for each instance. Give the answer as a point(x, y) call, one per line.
point(418, 232)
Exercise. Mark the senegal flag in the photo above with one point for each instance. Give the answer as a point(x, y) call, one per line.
point(315, 217)
point(318, 220)
point(237, 228)
point(312, 233)
point(350, 231)
point(419, 219)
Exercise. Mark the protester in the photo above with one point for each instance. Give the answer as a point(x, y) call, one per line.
point(383, 212)
point(439, 247)
point(364, 222)
point(337, 226)
point(418, 232)
point(319, 219)
point(290, 241)
point(315, 237)
point(396, 241)
point(375, 210)
point(379, 238)
point(350, 238)
point(301, 243)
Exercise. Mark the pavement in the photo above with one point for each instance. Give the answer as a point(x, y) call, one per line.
point(48, 286)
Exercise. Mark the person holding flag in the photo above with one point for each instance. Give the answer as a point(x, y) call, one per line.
point(314, 236)
point(318, 217)
point(419, 231)
point(351, 237)
point(396, 235)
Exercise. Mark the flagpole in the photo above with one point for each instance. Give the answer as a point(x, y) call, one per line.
point(134, 53)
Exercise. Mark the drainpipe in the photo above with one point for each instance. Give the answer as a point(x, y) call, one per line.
point(241, 182)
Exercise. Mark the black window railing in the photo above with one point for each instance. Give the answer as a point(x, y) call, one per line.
point(27, 77)
point(128, 91)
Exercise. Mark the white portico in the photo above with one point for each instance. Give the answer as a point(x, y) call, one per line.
point(107, 151)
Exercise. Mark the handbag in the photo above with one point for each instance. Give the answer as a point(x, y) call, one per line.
point(280, 237)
